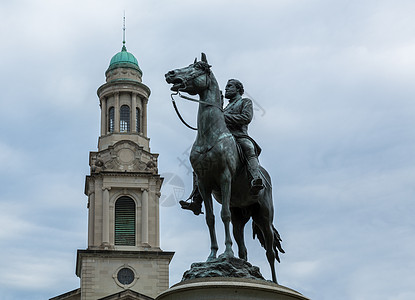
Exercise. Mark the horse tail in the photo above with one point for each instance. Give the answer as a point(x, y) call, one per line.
point(257, 232)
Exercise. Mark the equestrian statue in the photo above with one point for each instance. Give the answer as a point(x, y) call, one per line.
point(225, 163)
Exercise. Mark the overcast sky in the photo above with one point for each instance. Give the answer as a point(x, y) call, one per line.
point(333, 87)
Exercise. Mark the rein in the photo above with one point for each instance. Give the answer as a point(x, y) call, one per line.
point(198, 101)
point(178, 113)
point(190, 99)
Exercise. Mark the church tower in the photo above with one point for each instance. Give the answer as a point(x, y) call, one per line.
point(123, 189)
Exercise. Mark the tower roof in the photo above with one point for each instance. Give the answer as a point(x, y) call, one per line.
point(124, 59)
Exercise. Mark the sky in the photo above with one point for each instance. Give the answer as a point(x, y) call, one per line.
point(333, 89)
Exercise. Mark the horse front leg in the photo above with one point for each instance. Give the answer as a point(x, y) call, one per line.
point(226, 213)
point(210, 221)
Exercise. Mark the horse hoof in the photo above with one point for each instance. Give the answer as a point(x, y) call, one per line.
point(227, 254)
point(211, 258)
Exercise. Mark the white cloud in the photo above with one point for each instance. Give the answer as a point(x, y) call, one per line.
point(32, 271)
point(334, 79)
point(12, 224)
point(12, 159)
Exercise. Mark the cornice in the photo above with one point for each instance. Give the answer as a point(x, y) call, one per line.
point(120, 253)
point(127, 85)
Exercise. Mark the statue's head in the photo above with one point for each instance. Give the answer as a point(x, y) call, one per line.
point(232, 87)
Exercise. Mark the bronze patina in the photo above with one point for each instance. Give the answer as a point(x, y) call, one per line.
point(244, 190)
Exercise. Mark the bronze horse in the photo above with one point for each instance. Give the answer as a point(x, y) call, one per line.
point(221, 171)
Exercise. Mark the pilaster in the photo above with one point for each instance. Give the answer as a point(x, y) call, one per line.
point(103, 104)
point(145, 116)
point(105, 217)
point(133, 112)
point(91, 213)
point(144, 217)
point(117, 112)
point(97, 227)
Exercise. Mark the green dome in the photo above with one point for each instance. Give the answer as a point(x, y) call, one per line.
point(124, 59)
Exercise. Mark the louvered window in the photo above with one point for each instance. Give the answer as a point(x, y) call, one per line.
point(111, 119)
point(137, 120)
point(125, 119)
point(125, 222)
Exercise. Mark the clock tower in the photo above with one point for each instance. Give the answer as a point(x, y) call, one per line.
point(123, 188)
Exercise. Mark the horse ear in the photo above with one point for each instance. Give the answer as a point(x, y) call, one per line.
point(195, 60)
point(204, 59)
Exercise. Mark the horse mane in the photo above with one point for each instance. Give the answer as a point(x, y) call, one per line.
point(204, 66)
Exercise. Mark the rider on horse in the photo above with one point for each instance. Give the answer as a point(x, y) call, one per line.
point(238, 114)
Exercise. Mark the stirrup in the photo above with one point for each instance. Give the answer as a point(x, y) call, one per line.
point(193, 206)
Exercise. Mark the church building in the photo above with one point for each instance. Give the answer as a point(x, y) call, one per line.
point(123, 259)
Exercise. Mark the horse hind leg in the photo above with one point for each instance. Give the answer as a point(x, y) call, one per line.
point(226, 212)
point(210, 221)
point(238, 223)
point(270, 252)
point(265, 235)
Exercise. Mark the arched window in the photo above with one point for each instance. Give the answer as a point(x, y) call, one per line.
point(125, 119)
point(125, 221)
point(137, 120)
point(111, 119)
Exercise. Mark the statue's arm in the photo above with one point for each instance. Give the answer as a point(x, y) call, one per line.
point(242, 118)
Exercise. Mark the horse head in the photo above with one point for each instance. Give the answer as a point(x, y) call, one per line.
point(191, 79)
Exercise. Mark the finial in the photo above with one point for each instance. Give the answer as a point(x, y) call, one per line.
point(123, 34)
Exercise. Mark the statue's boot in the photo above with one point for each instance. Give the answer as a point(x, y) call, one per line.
point(256, 182)
point(195, 203)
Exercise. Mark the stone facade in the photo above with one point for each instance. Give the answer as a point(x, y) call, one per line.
point(124, 169)
point(123, 258)
point(98, 271)
point(135, 95)
point(72, 295)
point(127, 295)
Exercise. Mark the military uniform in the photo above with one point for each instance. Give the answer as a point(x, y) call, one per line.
point(238, 114)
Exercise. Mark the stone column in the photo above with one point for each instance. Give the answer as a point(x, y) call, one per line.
point(144, 112)
point(105, 217)
point(117, 112)
point(144, 216)
point(103, 116)
point(133, 112)
point(91, 214)
point(157, 207)
point(96, 230)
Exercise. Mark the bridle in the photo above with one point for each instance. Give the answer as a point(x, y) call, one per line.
point(203, 72)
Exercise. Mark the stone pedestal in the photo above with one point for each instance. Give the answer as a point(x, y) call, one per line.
point(222, 288)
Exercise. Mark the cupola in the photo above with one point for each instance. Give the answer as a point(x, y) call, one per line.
point(123, 101)
point(123, 66)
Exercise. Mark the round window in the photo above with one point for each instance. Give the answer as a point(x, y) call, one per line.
point(125, 276)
